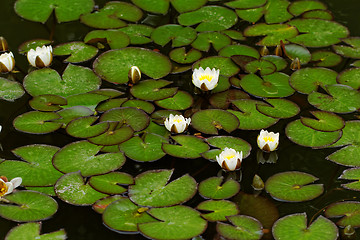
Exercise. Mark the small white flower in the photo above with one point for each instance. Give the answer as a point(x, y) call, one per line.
point(40, 57)
point(229, 159)
point(7, 62)
point(205, 79)
point(177, 123)
point(8, 187)
point(268, 141)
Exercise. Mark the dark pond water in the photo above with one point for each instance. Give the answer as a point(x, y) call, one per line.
point(82, 222)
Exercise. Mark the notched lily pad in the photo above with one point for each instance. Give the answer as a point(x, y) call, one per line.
point(78, 51)
point(351, 174)
point(116, 39)
point(204, 41)
point(138, 33)
point(180, 101)
point(10, 90)
point(32, 230)
point(350, 77)
point(180, 55)
point(152, 90)
point(83, 127)
point(179, 35)
point(186, 147)
point(217, 188)
point(347, 211)
point(110, 183)
point(224, 64)
point(351, 50)
point(47, 102)
point(299, 7)
point(217, 210)
point(278, 108)
point(326, 122)
point(243, 227)
point(37, 122)
point(325, 59)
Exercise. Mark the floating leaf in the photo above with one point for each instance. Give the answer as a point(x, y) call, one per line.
point(350, 134)
point(327, 122)
point(37, 122)
point(162, 6)
point(110, 104)
point(299, 7)
point(204, 41)
point(293, 187)
point(109, 183)
point(263, 66)
point(239, 49)
point(68, 114)
point(75, 80)
point(223, 99)
point(217, 210)
point(179, 35)
point(82, 127)
point(216, 188)
point(180, 101)
point(226, 66)
point(10, 90)
point(187, 147)
point(153, 189)
point(279, 62)
point(114, 66)
point(100, 205)
point(318, 14)
point(348, 211)
point(242, 228)
point(138, 33)
point(153, 90)
point(78, 51)
point(50, 191)
point(47, 102)
point(139, 104)
point(352, 51)
point(28, 206)
point(295, 227)
point(351, 174)
point(116, 39)
point(350, 77)
point(177, 222)
point(180, 55)
point(296, 51)
point(245, 4)
point(89, 100)
point(279, 108)
point(325, 59)
point(83, 156)
point(32, 44)
point(32, 230)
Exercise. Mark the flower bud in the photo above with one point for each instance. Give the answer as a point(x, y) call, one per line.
point(295, 64)
point(7, 62)
point(264, 51)
point(3, 44)
point(40, 57)
point(134, 74)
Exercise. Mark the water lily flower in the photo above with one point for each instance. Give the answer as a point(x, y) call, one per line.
point(8, 187)
point(229, 159)
point(40, 57)
point(7, 62)
point(268, 141)
point(177, 123)
point(134, 74)
point(205, 79)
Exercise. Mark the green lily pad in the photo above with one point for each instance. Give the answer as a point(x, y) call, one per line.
point(296, 51)
point(172, 224)
point(326, 122)
point(351, 174)
point(242, 228)
point(109, 92)
point(307, 80)
point(135, 118)
point(32, 231)
point(114, 66)
point(65, 10)
point(180, 55)
point(250, 118)
point(204, 41)
point(109, 183)
point(279, 62)
point(226, 66)
point(217, 210)
point(216, 188)
point(112, 15)
point(295, 226)
point(100, 205)
point(246, 4)
point(325, 59)
point(180, 101)
point(47, 102)
point(82, 127)
point(222, 142)
point(318, 32)
point(318, 14)
point(233, 34)
point(162, 6)
point(223, 85)
point(263, 66)
point(350, 77)
point(186, 147)
point(144, 149)
point(308, 137)
point(293, 187)
point(36, 167)
point(10, 90)
point(157, 129)
point(28, 206)
point(160, 115)
point(351, 50)
point(210, 120)
point(78, 51)
point(152, 90)
point(239, 49)
point(350, 134)
point(209, 18)
point(37, 122)
point(348, 211)
point(83, 156)
point(274, 33)
point(179, 35)
point(116, 39)
point(152, 189)
point(278, 108)
point(32, 44)
point(223, 100)
point(272, 85)
point(139, 104)
point(89, 100)
point(347, 156)
point(340, 99)
point(49, 190)
point(299, 7)
point(71, 113)
point(72, 189)
point(114, 135)
point(138, 33)
point(110, 104)
point(75, 80)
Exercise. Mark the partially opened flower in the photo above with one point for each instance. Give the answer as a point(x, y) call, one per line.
point(7, 62)
point(229, 159)
point(134, 74)
point(40, 57)
point(8, 187)
point(268, 141)
point(177, 123)
point(205, 79)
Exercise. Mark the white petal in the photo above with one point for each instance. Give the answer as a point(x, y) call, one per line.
point(167, 124)
point(16, 181)
point(10, 188)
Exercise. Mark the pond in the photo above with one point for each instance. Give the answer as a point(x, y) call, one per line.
point(96, 160)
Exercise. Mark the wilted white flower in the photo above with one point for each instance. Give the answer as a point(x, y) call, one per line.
point(229, 159)
point(40, 57)
point(268, 141)
point(205, 79)
point(7, 62)
point(8, 187)
point(177, 123)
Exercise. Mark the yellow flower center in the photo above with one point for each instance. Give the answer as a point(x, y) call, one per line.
point(269, 139)
point(207, 77)
point(3, 188)
point(178, 120)
point(229, 157)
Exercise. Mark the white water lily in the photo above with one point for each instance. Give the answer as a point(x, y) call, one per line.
point(177, 123)
point(7, 62)
point(205, 79)
point(268, 141)
point(229, 159)
point(8, 187)
point(40, 57)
